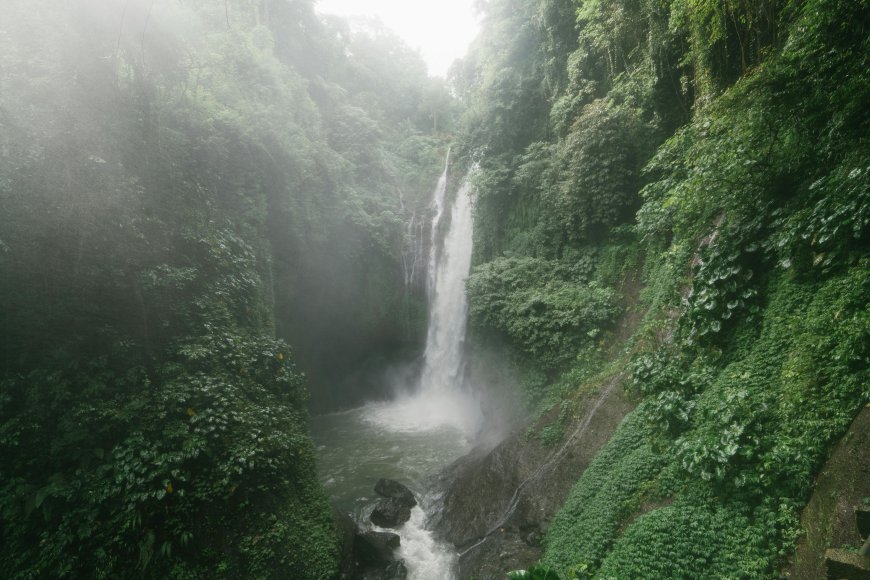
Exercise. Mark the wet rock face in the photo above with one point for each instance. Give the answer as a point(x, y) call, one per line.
point(830, 518)
point(394, 571)
point(395, 509)
point(394, 490)
point(498, 502)
point(376, 547)
point(390, 513)
point(368, 555)
point(387, 538)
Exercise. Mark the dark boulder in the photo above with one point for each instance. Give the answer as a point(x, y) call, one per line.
point(375, 548)
point(394, 490)
point(390, 513)
point(367, 555)
point(394, 571)
point(347, 531)
point(397, 571)
point(388, 538)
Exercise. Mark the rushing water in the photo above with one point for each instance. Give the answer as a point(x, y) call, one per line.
point(356, 448)
point(438, 208)
point(425, 427)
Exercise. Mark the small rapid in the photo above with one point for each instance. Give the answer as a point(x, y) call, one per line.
point(427, 559)
point(356, 448)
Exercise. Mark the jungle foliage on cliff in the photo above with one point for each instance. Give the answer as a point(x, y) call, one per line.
point(720, 148)
point(184, 186)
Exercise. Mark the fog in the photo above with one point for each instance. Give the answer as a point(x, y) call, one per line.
point(206, 214)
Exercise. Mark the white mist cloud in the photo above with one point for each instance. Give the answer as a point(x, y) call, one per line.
point(441, 31)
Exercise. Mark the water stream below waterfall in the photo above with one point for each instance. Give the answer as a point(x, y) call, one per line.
point(358, 447)
point(427, 425)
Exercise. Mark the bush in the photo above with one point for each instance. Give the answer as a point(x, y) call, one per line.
point(535, 303)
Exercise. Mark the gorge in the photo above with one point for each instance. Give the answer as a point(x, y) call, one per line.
point(599, 299)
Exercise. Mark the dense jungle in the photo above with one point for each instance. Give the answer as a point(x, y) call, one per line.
point(218, 235)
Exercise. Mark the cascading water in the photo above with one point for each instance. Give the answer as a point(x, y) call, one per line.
point(413, 266)
point(448, 310)
point(438, 207)
point(439, 398)
point(427, 425)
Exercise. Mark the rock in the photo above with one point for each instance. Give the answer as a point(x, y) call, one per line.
point(393, 489)
point(392, 540)
point(388, 538)
point(496, 501)
point(367, 555)
point(375, 548)
point(346, 530)
point(395, 571)
point(390, 513)
point(862, 520)
point(830, 518)
point(849, 565)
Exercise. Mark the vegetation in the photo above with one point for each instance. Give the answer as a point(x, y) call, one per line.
point(677, 189)
point(539, 306)
point(726, 145)
point(184, 187)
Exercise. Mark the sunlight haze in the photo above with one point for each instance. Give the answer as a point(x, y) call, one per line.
point(441, 32)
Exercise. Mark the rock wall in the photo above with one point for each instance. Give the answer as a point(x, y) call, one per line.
point(842, 486)
point(498, 501)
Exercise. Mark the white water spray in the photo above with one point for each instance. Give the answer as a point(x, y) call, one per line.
point(444, 361)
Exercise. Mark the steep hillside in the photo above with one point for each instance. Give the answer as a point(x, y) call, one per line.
point(720, 147)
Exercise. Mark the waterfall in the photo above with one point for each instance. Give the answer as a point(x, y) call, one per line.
point(439, 398)
point(438, 408)
point(438, 206)
point(448, 307)
point(412, 254)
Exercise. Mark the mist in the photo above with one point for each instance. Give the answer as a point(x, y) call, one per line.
point(205, 208)
point(283, 295)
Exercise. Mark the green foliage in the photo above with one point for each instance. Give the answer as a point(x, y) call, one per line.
point(180, 182)
point(727, 37)
point(688, 540)
point(751, 360)
point(150, 464)
point(599, 169)
point(536, 303)
point(722, 281)
point(836, 219)
point(534, 573)
point(610, 489)
point(767, 420)
point(555, 431)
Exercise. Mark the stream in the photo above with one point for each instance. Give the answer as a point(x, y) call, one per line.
point(356, 448)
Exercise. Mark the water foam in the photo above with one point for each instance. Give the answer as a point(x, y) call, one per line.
point(426, 558)
point(427, 411)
